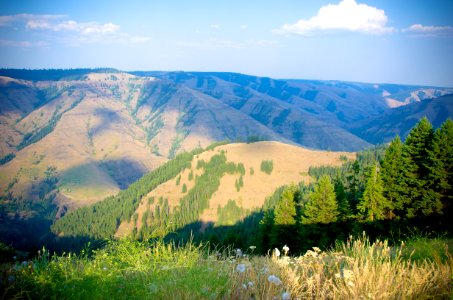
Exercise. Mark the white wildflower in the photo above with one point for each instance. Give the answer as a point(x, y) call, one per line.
point(274, 279)
point(240, 268)
point(286, 296)
point(238, 253)
point(250, 283)
point(244, 286)
point(285, 249)
point(252, 248)
point(317, 250)
point(276, 252)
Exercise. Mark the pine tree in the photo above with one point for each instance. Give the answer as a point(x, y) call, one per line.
point(285, 211)
point(421, 199)
point(373, 203)
point(322, 206)
point(344, 209)
point(441, 175)
point(393, 175)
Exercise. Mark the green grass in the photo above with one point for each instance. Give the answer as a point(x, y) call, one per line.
point(128, 269)
point(122, 270)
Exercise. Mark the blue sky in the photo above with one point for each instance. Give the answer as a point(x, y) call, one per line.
point(387, 41)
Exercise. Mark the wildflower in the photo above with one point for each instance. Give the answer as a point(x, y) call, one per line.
point(276, 252)
point(244, 286)
point(274, 279)
point(317, 250)
point(238, 253)
point(286, 296)
point(240, 268)
point(285, 249)
point(252, 248)
point(104, 268)
point(250, 283)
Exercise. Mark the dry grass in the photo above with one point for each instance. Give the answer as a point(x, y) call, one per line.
point(291, 164)
point(357, 270)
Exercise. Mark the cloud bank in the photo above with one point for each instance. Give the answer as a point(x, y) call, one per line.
point(348, 15)
point(59, 28)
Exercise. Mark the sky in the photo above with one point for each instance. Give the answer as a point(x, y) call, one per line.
point(378, 41)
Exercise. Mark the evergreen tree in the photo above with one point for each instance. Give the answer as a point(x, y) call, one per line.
point(393, 175)
point(441, 175)
point(373, 203)
point(344, 209)
point(421, 198)
point(285, 211)
point(322, 206)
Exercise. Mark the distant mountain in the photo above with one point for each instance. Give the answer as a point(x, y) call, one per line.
point(399, 121)
point(313, 113)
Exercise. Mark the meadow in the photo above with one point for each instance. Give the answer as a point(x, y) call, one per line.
point(419, 268)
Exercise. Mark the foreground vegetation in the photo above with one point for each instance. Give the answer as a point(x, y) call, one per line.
point(154, 270)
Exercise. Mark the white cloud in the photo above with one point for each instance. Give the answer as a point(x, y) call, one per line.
point(348, 15)
point(72, 32)
point(215, 26)
point(435, 31)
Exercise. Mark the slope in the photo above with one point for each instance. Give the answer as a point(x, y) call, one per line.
point(245, 188)
point(400, 120)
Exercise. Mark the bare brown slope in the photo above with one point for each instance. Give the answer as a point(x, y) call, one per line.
point(291, 164)
point(106, 130)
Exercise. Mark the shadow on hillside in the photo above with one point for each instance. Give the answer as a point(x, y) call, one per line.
point(124, 171)
point(251, 231)
point(301, 238)
point(107, 116)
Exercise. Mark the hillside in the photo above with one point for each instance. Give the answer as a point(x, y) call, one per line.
point(322, 105)
point(290, 166)
point(399, 121)
point(103, 131)
point(159, 201)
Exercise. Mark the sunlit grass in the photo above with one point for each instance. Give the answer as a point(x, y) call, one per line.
point(137, 270)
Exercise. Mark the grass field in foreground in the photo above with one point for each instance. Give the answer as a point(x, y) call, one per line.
point(419, 269)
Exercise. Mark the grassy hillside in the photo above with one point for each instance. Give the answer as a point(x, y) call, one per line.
point(195, 187)
point(247, 188)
